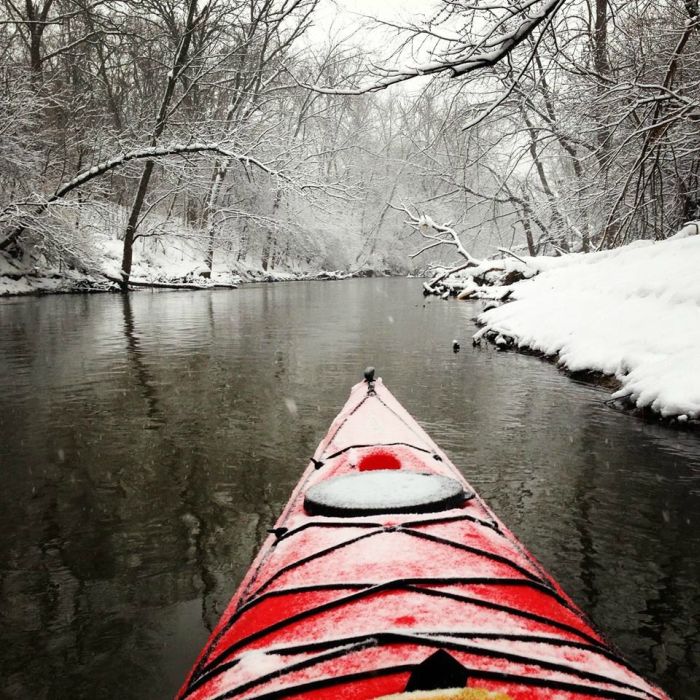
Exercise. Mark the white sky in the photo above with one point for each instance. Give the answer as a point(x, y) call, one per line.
point(341, 17)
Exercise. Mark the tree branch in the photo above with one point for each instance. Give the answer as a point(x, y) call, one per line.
point(142, 154)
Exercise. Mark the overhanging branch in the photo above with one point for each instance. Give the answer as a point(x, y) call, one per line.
point(106, 166)
point(492, 48)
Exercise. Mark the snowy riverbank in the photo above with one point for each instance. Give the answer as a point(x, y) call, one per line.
point(632, 313)
point(155, 266)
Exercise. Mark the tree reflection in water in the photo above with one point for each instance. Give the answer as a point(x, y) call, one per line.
point(146, 446)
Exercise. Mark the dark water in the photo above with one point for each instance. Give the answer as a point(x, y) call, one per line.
point(145, 446)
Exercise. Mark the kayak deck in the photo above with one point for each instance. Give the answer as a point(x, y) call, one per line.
point(369, 603)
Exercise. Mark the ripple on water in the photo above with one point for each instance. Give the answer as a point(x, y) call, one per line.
point(146, 447)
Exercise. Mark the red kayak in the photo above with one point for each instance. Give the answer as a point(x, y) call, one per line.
point(387, 574)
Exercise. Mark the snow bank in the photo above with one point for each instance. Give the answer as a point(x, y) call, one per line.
point(167, 251)
point(17, 278)
point(632, 312)
point(177, 262)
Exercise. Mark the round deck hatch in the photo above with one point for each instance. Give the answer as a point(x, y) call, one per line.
point(384, 491)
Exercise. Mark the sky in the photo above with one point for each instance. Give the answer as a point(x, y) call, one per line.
point(344, 16)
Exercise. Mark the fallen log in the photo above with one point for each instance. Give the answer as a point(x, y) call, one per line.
point(172, 285)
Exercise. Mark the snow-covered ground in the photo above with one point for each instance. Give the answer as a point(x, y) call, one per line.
point(632, 312)
point(18, 278)
point(159, 262)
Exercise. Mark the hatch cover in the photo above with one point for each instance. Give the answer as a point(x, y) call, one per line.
point(384, 491)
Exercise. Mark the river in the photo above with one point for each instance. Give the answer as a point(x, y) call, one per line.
point(148, 441)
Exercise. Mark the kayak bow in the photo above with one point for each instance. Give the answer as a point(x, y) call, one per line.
point(387, 574)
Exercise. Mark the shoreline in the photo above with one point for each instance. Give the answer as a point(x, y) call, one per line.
point(78, 283)
point(29, 285)
point(608, 382)
point(630, 314)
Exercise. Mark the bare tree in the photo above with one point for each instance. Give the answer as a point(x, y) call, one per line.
point(180, 61)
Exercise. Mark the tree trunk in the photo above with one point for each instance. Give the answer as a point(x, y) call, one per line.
point(179, 63)
point(602, 68)
point(35, 32)
point(527, 227)
point(132, 224)
point(218, 176)
point(267, 247)
point(559, 223)
point(244, 242)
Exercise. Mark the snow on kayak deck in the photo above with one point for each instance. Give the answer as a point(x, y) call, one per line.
point(385, 491)
point(377, 423)
point(632, 312)
point(351, 607)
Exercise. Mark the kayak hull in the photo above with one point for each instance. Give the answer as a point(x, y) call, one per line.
point(362, 603)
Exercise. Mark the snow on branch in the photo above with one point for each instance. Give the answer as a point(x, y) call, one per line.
point(458, 55)
point(157, 152)
point(140, 154)
point(438, 235)
point(480, 270)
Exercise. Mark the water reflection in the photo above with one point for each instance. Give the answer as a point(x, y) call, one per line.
point(146, 446)
point(140, 368)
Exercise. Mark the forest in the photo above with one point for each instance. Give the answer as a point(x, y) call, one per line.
point(225, 135)
point(518, 182)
